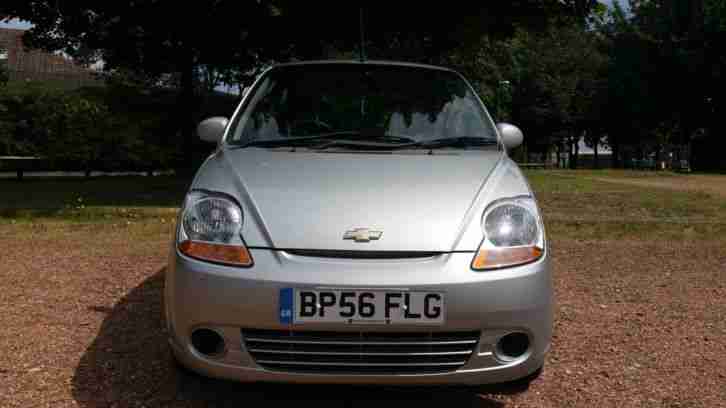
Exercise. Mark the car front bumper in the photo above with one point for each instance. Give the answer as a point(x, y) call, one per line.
point(227, 300)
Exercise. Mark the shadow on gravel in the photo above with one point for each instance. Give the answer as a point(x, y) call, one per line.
point(129, 364)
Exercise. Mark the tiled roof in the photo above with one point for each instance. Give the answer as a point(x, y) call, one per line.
point(34, 61)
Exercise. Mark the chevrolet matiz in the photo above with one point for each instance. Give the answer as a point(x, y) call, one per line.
point(360, 223)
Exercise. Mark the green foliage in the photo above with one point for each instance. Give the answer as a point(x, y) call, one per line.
point(548, 81)
point(61, 127)
point(636, 79)
point(665, 72)
point(3, 75)
point(715, 15)
point(73, 128)
point(15, 131)
point(3, 108)
point(228, 40)
point(112, 128)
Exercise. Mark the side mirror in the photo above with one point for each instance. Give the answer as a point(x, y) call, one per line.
point(212, 129)
point(511, 135)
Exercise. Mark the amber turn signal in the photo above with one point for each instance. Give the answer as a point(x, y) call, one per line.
point(491, 258)
point(226, 254)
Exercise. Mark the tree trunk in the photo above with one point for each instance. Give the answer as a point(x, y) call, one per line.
point(616, 154)
point(574, 151)
point(686, 141)
point(570, 152)
point(88, 167)
point(595, 164)
point(658, 150)
point(577, 154)
point(212, 79)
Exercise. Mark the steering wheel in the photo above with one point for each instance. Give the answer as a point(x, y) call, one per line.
point(305, 123)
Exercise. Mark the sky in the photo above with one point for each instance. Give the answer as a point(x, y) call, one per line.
point(14, 23)
point(623, 3)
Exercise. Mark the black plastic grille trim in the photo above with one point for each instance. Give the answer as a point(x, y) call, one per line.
point(360, 352)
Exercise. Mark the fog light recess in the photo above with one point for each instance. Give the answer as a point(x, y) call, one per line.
point(512, 346)
point(208, 342)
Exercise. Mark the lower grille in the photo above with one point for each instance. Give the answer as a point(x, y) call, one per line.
point(360, 352)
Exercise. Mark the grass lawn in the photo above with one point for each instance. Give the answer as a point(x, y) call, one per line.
point(609, 204)
point(97, 199)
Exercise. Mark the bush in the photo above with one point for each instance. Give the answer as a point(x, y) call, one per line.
point(113, 128)
point(69, 128)
point(78, 130)
point(3, 74)
point(15, 128)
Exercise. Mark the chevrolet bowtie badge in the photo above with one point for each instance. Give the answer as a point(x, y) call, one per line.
point(362, 235)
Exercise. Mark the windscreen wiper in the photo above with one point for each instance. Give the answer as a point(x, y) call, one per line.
point(388, 138)
point(341, 138)
point(372, 141)
point(296, 141)
point(462, 141)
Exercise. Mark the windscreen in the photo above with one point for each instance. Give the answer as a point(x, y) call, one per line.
point(414, 102)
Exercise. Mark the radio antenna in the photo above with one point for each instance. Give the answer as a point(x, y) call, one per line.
point(362, 37)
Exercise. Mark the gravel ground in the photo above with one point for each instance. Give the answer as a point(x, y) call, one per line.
point(638, 324)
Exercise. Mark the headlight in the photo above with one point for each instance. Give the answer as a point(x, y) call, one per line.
point(513, 235)
point(211, 228)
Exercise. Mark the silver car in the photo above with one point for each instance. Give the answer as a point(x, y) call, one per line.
point(360, 222)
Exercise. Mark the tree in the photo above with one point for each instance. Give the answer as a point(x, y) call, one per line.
point(229, 39)
point(411, 31)
point(552, 79)
point(5, 126)
point(711, 144)
point(666, 65)
point(153, 38)
point(4, 77)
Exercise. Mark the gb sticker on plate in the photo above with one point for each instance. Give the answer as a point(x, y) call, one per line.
point(286, 305)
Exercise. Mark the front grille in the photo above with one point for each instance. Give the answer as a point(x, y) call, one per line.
point(325, 253)
point(360, 352)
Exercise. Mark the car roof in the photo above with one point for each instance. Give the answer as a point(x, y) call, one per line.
point(364, 62)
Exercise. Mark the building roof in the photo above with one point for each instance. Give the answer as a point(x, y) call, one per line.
point(19, 58)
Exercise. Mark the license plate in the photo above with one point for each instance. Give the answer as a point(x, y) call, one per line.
point(360, 307)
